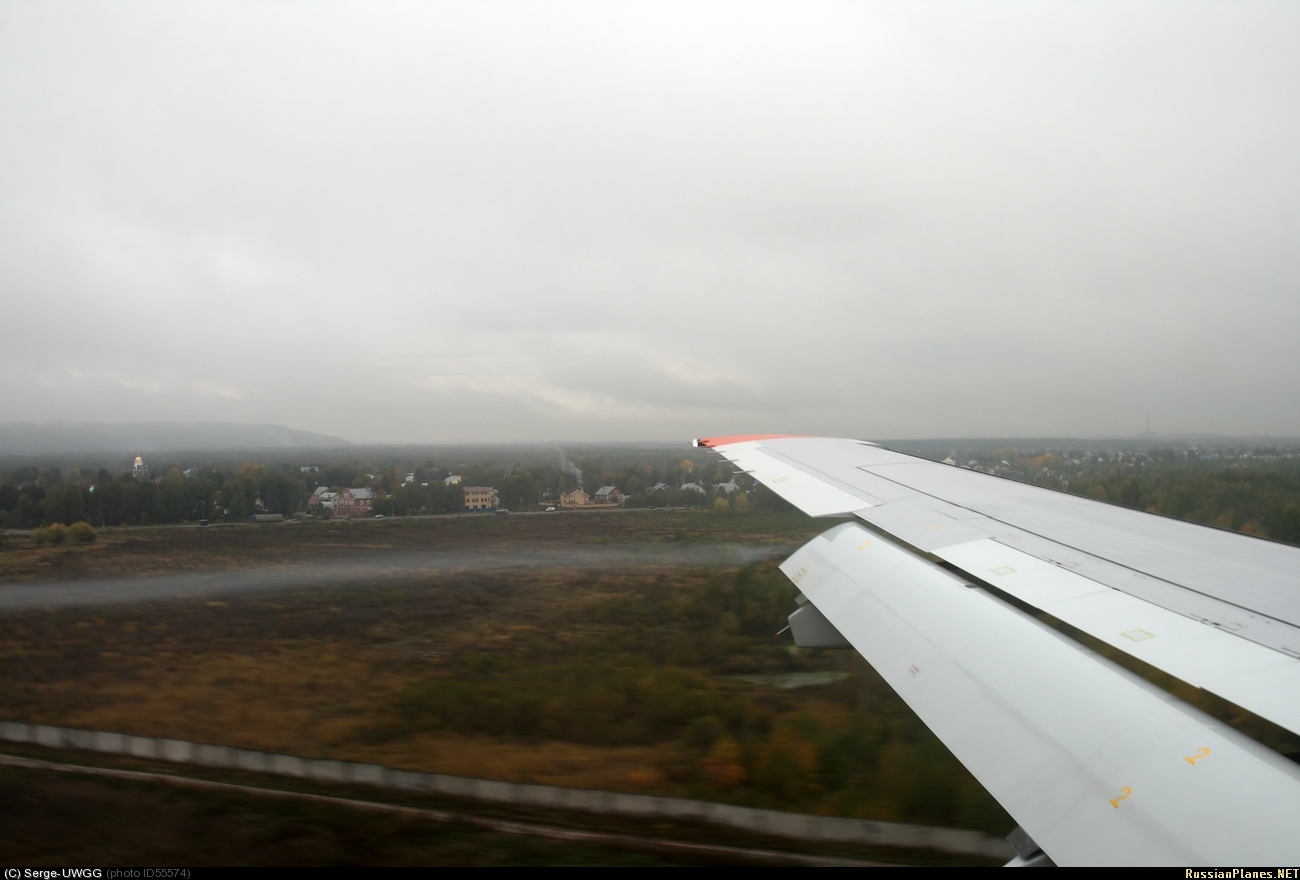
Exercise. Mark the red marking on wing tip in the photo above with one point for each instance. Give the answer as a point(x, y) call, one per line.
point(715, 442)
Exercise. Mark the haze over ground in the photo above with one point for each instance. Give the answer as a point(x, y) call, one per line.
point(475, 222)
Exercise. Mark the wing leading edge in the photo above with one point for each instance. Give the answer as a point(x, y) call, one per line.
point(1098, 765)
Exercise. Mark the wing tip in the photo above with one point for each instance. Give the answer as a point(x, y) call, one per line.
point(715, 442)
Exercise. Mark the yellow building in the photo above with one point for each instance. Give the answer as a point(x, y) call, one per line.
point(480, 498)
point(576, 498)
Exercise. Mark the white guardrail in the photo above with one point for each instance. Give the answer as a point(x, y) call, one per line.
point(772, 822)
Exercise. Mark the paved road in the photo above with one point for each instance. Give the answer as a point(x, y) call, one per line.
point(368, 568)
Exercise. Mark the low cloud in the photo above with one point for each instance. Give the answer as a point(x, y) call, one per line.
point(618, 223)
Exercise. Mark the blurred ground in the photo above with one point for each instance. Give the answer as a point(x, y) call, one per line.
point(133, 823)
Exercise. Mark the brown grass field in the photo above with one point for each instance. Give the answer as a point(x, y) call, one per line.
point(609, 675)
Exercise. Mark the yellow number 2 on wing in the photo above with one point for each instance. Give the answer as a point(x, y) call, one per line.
point(1202, 752)
point(1123, 796)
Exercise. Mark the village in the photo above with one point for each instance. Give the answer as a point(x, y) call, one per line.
point(361, 501)
point(144, 492)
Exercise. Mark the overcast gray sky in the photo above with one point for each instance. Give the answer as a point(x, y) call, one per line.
point(436, 222)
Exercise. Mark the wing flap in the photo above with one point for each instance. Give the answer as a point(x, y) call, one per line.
point(1250, 675)
point(1099, 766)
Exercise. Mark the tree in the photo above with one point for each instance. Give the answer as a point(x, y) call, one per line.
point(172, 496)
point(8, 498)
point(281, 493)
point(237, 497)
point(64, 504)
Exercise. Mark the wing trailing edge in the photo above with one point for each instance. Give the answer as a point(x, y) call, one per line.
point(1099, 766)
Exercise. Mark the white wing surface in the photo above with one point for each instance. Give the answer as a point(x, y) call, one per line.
point(1097, 765)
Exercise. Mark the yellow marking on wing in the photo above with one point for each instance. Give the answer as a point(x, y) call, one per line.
point(865, 544)
point(1202, 752)
point(1123, 796)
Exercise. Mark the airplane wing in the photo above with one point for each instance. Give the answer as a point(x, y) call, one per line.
point(941, 579)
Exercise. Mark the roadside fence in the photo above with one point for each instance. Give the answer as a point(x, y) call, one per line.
point(771, 822)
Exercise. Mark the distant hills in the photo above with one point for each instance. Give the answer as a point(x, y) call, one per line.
point(32, 438)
